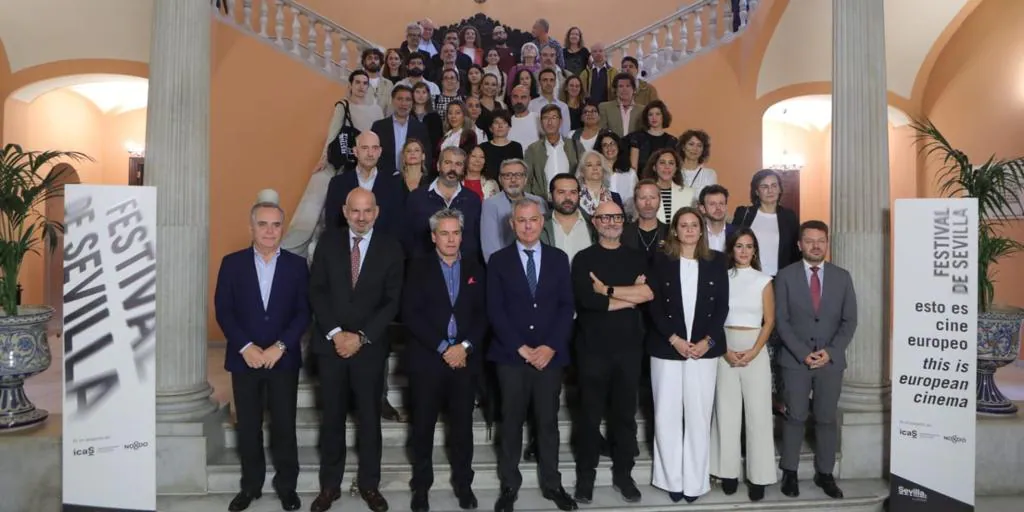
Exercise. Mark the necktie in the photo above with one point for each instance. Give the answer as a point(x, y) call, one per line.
point(355, 259)
point(815, 289)
point(531, 272)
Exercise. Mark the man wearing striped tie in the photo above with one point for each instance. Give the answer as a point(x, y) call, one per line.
point(530, 306)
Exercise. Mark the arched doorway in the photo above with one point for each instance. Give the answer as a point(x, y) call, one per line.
point(53, 262)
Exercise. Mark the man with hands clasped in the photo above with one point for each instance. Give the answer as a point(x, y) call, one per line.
point(816, 316)
point(530, 306)
point(261, 304)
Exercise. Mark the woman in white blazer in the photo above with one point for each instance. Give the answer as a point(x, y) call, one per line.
point(665, 167)
point(743, 391)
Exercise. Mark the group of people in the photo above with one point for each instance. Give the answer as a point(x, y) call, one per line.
point(543, 268)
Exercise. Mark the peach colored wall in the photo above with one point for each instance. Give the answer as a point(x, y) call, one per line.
point(64, 120)
point(813, 146)
point(975, 96)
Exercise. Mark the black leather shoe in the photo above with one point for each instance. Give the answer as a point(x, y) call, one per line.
point(242, 500)
point(755, 492)
point(560, 498)
point(729, 486)
point(467, 500)
point(374, 500)
point(628, 490)
point(289, 500)
point(530, 452)
point(584, 492)
point(325, 499)
point(506, 500)
point(420, 501)
point(790, 484)
point(389, 413)
point(676, 497)
point(690, 499)
point(828, 484)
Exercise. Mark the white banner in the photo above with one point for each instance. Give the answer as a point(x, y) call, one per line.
point(109, 348)
point(934, 355)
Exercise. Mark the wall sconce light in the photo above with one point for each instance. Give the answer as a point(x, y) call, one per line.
point(787, 162)
point(135, 149)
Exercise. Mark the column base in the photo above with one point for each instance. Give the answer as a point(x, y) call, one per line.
point(862, 397)
point(189, 404)
point(182, 451)
point(864, 444)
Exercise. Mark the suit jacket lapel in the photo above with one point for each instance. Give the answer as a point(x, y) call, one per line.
point(366, 260)
point(804, 288)
point(346, 258)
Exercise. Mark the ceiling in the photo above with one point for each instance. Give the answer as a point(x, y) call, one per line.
point(801, 47)
point(815, 112)
point(112, 94)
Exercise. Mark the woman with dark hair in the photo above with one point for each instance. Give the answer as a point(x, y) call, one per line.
point(413, 167)
point(572, 96)
point(575, 52)
point(743, 398)
point(423, 109)
point(492, 59)
point(450, 90)
point(393, 69)
point(475, 179)
point(695, 148)
point(776, 227)
point(525, 78)
point(459, 129)
point(474, 77)
point(664, 168)
point(500, 148)
point(651, 136)
point(691, 302)
point(623, 179)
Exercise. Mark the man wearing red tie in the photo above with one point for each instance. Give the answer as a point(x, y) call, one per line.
point(816, 316)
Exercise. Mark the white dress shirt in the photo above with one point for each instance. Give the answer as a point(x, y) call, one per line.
point(536, 256)
point(265, 271)
point(689, 272)
point(364, 244)
point(577, 239)
point(447, 202)
point(716, 242)
point(366, 184)
point(821, 274)
point(558, 161)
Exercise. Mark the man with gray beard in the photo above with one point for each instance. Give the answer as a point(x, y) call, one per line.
point(495, 231)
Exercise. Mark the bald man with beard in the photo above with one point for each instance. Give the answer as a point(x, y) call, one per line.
point(355, 288)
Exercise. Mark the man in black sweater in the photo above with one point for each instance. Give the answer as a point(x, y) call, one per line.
point(608, 284)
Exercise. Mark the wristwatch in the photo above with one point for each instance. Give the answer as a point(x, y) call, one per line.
point(468, 346)
point(363, 340)
point(281, 346)
point(611, 291)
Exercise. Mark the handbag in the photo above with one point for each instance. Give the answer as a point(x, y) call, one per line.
point(341, 151)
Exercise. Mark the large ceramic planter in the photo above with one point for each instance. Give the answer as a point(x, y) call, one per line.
point(24, 352)
point(998, 346)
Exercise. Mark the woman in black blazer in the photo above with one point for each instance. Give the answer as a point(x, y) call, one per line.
point(776, 227)
point(691, 301)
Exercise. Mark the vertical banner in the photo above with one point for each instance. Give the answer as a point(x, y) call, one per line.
point(934, 355)
point(109, 443)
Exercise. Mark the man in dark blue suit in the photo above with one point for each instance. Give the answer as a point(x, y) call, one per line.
point(530, 305)
point(397, 128)
point(443, 308)
point(714, 204)
point(445, 192)
point(262, 306)
point(385, 185)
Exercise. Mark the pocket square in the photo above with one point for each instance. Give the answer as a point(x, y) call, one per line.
point(471, 280)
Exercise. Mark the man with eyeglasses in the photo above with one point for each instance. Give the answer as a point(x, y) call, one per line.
point(495, 230)
point(413, 42)
point(608, 285)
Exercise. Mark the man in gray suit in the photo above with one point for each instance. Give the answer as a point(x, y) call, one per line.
point(815, 315)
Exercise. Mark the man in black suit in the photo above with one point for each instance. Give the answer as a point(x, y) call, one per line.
point(368, 175)
point(646, 233)
point(397, 128)
point(530, 305)
point(262, 305)
point(355, 291)
point(443, 308)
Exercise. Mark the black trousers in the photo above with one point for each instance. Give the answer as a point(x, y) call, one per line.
point(254, 391)
point(434, 389)
point(523, 386)
point(360, 378)
point(608, 385)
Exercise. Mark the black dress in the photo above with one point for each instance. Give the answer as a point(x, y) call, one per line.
point(495, 155)
point(648, 144)
point(576, 62)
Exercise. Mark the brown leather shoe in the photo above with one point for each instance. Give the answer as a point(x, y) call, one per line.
point(374, 500)
point(325, 499)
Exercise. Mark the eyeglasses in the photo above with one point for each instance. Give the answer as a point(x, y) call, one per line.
point(612, 217)
point(512, 175)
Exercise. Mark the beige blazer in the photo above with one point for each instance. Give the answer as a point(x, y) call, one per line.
point(611, 118)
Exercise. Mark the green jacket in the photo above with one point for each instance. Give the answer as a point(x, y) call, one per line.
point(536, 156)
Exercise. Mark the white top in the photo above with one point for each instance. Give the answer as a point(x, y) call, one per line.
point(689, 272)
point(558, 161)
point(536, 256)
point(821, 273)
point(366, 184)
point(746, 304)
point(699, 178)
point(716, 242)
point(469, 52)
point(622, 183)
point(525, 130)
point(766, 228)
point(453, 137)
point(576, 240)
point(588, 144)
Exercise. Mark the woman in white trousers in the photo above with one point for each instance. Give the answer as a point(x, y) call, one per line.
point(744, 374)
point(691, 301)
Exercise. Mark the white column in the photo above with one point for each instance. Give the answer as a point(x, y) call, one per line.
point(860, 224)
point(178, 164)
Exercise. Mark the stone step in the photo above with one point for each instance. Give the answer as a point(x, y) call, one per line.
point(861, 496)
point(224, 472)
point(307, 430)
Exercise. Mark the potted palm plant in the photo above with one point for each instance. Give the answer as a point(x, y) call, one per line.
point(26, 182)
point(998, 185)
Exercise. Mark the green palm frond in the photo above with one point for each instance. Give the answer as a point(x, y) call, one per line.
point(26, 182)
point(996, 184)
